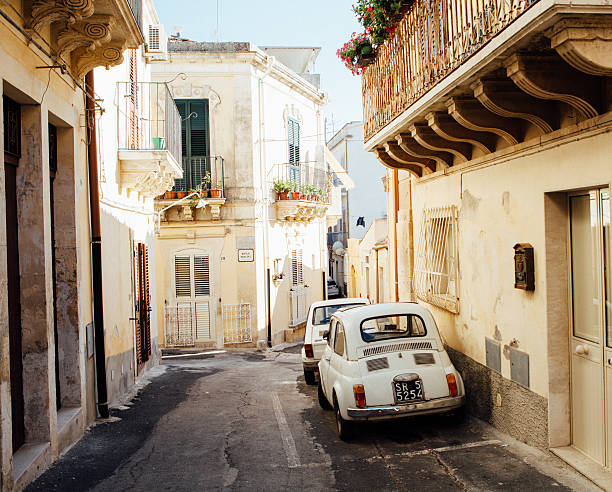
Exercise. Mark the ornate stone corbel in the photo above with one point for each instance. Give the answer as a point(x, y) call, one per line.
point(446, 126)
point(504, 99)
point(411, 162)
point(549, 77)
point(89, 34)
point(108, 55)
point(429, 139)
point(45, 12)
point(584, 43)
point(389, 161)
point(411, 146)
point(471, 114)
point(187, 212)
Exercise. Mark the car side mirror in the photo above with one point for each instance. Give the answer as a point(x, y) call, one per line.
point(326, 335)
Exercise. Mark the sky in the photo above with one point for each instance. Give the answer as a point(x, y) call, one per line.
point(325, 23)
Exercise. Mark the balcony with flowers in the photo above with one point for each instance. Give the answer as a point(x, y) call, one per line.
point(445, 82)
point(302, 191)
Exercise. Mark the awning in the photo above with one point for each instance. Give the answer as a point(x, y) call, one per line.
point(343, 176)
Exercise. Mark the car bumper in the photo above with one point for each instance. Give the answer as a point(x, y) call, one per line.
point(310, 365)
point(438, 405)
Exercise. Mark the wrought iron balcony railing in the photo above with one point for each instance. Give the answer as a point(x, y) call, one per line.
point(203, 173)
point(308, 181)
point(136, 8)
point(433, 39)
point(147, 118)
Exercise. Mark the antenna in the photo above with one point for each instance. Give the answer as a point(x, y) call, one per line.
point(179, 31)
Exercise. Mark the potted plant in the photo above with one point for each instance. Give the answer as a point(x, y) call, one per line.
point(216, 188)
point(295, 191)
point(204, 186)
point(181, 194)
point(282, 188)
point(357, 53)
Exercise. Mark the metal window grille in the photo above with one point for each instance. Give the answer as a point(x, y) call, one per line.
point(436, 268)
point(237, 323)
point(178, 326)
point(300, 302)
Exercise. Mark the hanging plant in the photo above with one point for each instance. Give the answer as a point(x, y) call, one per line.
point(357, 53)
point(379, 19)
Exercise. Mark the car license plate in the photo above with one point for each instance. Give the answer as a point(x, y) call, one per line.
point(407, 391)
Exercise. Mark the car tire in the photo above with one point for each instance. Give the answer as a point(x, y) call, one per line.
point(309, 377)
point(343, 427)
point(323, 403)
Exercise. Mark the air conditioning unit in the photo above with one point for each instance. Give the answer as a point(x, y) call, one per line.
point(157, 41)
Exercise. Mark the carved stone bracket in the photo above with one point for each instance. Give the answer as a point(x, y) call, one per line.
point(411, 146)
point(396, 152)
point(584, 43)
point(549, 77)
point(108, 55)
point(429, 139)
point(504, 99)
point(471, 114)
point(45, 12)
point(187, 212)
point(89, 34)
point(389, 160)
point(446, 126)
point(215, 207)
point(295, 211)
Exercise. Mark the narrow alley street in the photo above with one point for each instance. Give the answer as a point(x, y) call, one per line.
point(244, 420)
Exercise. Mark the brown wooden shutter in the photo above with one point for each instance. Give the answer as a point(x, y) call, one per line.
point(137, 341)
point(147, 299)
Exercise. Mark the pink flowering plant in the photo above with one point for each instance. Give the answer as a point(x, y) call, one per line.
point(354, 50)
point(379, 19)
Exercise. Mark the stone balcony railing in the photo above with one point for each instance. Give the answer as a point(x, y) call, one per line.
point(460, 79)
point(86, 33)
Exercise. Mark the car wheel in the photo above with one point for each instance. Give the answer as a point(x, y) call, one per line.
point(309, 377)
point(323, 403)
point(344, 427)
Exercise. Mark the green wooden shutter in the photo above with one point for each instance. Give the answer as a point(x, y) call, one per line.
point(196, 141)
point(294, 150)
point(180, 184)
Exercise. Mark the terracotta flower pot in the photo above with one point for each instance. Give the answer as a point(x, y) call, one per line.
point(170, 195)
point(364, 60)
point(216, 193)
point(204, 193)
point(295, 195)
point(283, 196)
point(181, 194)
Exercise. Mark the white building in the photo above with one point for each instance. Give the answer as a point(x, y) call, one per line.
point(245, 265)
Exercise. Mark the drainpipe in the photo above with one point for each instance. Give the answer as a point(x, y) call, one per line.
point(96, 248)
point(411, 238)
point(396, 218)
point(264, 189)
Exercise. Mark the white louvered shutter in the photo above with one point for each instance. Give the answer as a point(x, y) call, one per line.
point(202, 319)
point(201, 274)
point(182, 276)
point(297, 274)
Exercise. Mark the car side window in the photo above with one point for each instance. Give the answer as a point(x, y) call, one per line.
point(330, 338)
point(339, 340)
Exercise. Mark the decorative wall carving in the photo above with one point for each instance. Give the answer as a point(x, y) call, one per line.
point(197, 91)
point(45, 12)
point(291, 111)
point(108, 55)
point(89, 34)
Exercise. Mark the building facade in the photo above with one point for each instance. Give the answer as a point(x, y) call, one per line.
point(242, 264)
point(498, 154)
point(362, 201)
point(58, 257)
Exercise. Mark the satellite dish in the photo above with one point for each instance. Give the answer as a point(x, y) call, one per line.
point(338, 248)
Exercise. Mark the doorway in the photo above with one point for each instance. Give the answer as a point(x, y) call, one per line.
point(591, 324)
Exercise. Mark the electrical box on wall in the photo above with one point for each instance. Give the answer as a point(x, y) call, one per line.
point(524, 268)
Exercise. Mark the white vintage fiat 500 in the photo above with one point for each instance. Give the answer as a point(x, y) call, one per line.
point(386, 361)
point(317, 324)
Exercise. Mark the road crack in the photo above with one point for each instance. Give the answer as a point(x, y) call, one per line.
point(448, 470)
point(389, 467)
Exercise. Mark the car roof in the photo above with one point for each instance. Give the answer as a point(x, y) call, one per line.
point(386, 309)
point(337, 302)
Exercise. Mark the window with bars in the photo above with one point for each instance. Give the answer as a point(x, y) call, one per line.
point(192, 276)
point(297, 268)
point(436, 268)
point(293, 127)
point(195, 137)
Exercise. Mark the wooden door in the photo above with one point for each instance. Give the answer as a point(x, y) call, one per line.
point(12, 152)
point(142, 305)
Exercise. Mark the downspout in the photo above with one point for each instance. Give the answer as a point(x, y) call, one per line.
point(265, 192)
point(411, 238)
point(96, 248)
point(396, 219)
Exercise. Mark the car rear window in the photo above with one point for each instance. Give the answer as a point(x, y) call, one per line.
point(388, 327)
point(323, 314)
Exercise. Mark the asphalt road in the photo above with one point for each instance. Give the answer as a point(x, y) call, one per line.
point(246, 421)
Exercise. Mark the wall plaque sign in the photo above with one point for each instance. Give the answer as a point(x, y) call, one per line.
point(246, 255)
point(524, 268)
